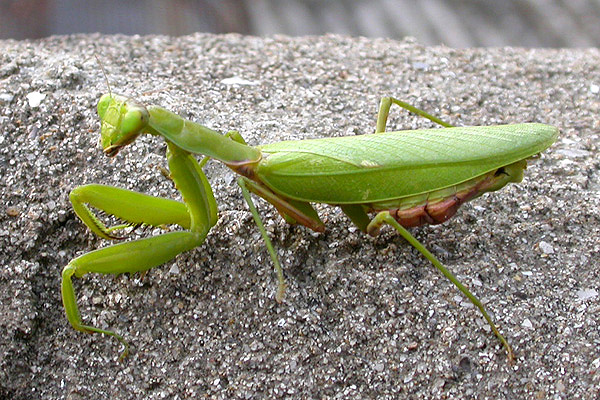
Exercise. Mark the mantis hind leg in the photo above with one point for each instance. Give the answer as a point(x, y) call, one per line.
point(384, 217)
point(384, 110)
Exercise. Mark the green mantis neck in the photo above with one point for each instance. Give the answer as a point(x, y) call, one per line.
point(199, 139)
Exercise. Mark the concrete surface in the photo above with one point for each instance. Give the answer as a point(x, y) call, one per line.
point(363, 317)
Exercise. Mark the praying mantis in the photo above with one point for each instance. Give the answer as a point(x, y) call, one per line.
point(407, 178)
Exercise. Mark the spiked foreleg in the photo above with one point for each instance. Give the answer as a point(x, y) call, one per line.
point(136, 256)
point(198, 213)
point(132, 207)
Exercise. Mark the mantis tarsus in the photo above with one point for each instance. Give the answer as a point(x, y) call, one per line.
point(408, 178)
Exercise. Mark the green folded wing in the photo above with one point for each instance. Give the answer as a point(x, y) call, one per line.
point(392, 165)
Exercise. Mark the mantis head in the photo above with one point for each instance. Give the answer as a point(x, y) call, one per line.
point(122, 121)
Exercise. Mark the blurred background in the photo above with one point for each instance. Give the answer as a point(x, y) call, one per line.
point(456, 23)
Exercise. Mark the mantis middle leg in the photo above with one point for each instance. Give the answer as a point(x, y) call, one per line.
point(292, 211)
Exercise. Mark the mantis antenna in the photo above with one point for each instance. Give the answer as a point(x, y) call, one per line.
point(103, 73)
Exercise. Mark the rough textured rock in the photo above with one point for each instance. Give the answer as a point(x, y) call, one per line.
point(362, 317)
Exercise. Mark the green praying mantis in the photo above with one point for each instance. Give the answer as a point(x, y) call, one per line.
point(406, 178)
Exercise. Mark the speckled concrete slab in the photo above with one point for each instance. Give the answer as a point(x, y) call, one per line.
point(363, 317)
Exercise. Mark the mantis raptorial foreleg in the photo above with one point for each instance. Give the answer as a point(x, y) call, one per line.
point(127, 205)
point(136, 256)
point(198, 213)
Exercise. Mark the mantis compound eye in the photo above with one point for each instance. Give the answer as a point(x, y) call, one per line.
point(133, 122)
point(122, 122)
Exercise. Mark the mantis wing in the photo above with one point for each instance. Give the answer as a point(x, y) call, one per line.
point(386, 166)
